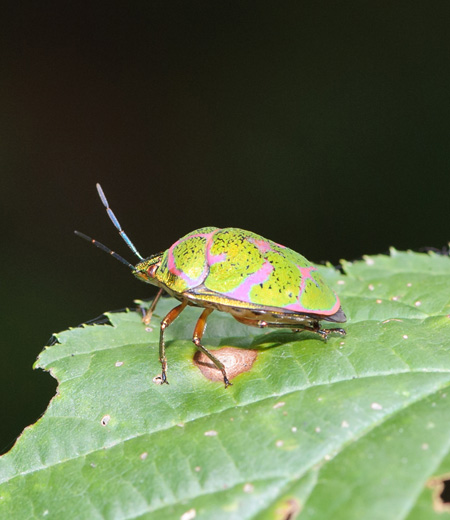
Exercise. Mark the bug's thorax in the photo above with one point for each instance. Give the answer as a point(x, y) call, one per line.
point(147, 270)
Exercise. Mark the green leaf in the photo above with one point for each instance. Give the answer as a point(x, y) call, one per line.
point(349, 429)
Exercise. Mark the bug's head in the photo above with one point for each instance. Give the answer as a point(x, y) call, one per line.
point(147, 269)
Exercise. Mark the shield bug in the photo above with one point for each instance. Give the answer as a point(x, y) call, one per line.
point(259, 282)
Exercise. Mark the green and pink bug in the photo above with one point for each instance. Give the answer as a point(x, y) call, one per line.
point(259, 282)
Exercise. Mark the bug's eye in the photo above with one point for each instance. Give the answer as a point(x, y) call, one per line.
point(151, 271)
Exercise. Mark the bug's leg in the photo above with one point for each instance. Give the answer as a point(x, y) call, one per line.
point(147, 316)
point(197, 338)
point(171, 316)
point(341, 332)
point(252, 322)
point(324, 333)
point(314, 327)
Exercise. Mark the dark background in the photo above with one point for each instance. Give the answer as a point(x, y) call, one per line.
point(323, 126)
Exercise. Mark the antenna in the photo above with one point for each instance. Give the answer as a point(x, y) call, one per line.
point(117, 226)
point(104, 248)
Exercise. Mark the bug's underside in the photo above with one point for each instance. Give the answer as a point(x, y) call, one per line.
point(253, 314)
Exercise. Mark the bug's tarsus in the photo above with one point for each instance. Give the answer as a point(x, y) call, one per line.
point(104, 248)
point(116, 223)
point(326, 332)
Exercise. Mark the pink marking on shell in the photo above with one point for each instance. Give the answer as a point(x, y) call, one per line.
point(214, 259)
point(305, 273)
point(262, 245)
point(242, 292)
point(177, 272)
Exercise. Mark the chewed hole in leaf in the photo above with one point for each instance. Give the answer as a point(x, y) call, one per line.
point(105, 420)
point(441, 492)
point(445, 494)
point(235, 360)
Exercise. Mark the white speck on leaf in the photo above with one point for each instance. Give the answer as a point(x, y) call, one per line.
point(143, 456)
point(344, 424)
point(371, 287)
point(278, 405)
point(249, 488)
point(425, 446)
point(210, 433)
point(279, 444)
point(118, 363)
point(317, 429)
point(105, 420)
point(189, 515)
point(376, 406)
point(418, 303)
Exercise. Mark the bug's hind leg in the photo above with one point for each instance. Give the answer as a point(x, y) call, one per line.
point(197, 338)
point(170, 318)
point(323, 333)
point(313, 326)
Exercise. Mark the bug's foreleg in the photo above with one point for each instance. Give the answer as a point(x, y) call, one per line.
point(170, 318)
point(197, 338)
point(147, 316)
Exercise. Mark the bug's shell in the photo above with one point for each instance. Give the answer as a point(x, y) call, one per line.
point(232, 266)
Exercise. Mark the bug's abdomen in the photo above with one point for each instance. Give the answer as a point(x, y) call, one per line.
point(246, 267)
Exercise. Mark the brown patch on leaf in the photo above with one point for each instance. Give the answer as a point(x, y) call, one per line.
point(236, 361)
point(441, 492)
point(288, 510)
